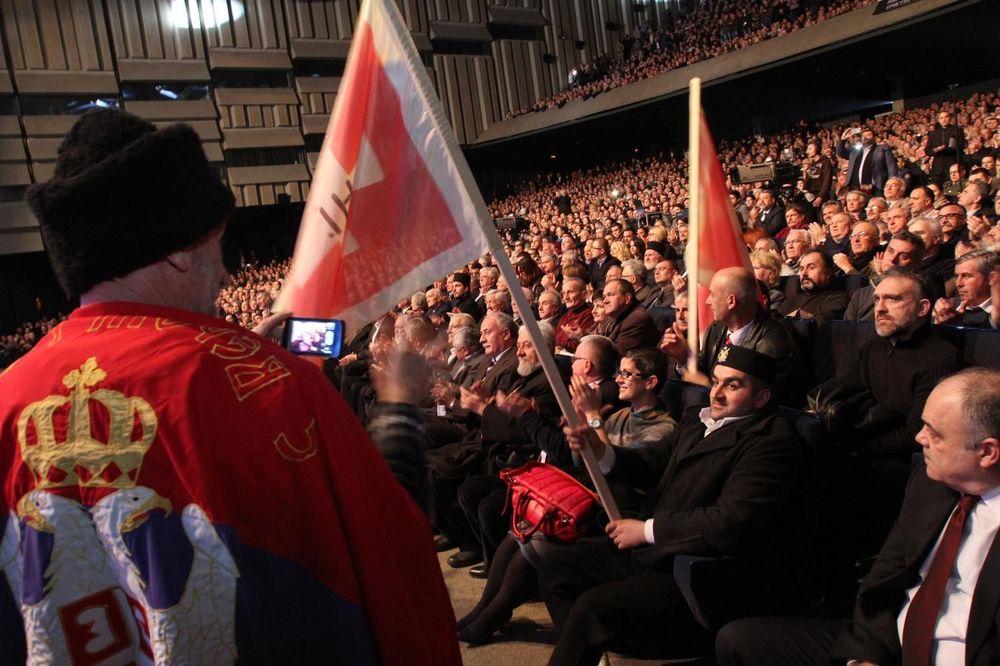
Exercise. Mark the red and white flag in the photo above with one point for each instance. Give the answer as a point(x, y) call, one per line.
point(719, 242)
point(392, 205)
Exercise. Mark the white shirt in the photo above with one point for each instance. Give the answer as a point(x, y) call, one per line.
point(953, 621)
point(607, 461)
point(736, 337)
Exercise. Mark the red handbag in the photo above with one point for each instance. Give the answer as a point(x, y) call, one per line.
point(545, 499)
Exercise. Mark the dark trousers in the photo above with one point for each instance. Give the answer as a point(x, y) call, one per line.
point(483, 499)
point(776, 641)
point(447, 469)
point(601, 599)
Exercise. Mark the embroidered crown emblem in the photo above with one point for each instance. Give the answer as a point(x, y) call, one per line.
point(90, 438)
point(723, 354)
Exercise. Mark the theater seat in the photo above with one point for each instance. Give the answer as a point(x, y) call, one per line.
point(980, 346)
point(837, 346)
point(663, 317)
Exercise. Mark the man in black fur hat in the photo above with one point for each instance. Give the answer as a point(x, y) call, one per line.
point(212, 477)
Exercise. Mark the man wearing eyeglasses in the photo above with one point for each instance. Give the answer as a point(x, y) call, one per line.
point(953, 227)
point(864, 244)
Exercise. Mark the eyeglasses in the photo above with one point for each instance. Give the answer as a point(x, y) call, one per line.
point(626, 375)
point(861, 234)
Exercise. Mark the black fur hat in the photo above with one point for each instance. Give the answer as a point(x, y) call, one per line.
point(125, 195)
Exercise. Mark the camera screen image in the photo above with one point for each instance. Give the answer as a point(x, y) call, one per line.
point(319, 337)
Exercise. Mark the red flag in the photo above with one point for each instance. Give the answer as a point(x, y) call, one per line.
point(392, 205)
point(719, 240)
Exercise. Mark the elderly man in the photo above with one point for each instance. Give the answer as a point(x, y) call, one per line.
point(578, 320)
point(634, 273)
point(817, 300)
point(627, 323)
point(935, 262)
point(731, 499)
point(896, 218)
point(451, 463)
point(739, 319)
point(972, 282)
point(864, 245)
point(797, 243)
point(550, 307)
point(928, 597)
point(836, 238)
point(214, 454)
point(506, 444)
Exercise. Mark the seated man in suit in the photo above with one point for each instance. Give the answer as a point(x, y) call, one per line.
point(626, 322)
point(933, 594)
point(974, 303)
point(740, 320)
point(719, 485)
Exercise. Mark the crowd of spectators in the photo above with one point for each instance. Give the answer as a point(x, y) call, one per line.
point(714, 28)
point(16, 344)
point(893, 222)
point(247, 300)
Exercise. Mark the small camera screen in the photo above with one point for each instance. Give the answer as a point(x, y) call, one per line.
point(316, 337)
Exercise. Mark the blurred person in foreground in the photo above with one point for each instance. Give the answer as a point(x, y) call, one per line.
point(174, 485)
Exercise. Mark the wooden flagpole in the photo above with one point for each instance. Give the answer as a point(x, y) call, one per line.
point(695, 211)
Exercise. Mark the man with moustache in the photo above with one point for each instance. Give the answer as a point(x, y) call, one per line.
point(817, 299)
point(868, 166)
point(903, 251)
point(930, 597)
point(953, 226)
point(721, 485)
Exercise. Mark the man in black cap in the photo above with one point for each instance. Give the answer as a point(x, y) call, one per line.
point(719, 485)
point(211, 451)
point(461, 297)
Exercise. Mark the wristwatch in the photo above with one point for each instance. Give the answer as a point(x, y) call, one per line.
point(595, 423)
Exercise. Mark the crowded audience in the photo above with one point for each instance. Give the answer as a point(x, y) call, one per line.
point(714, 28)
point(875, 275)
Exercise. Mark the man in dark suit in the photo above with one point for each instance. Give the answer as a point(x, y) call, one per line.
point(868, 167)
point(933, 594)
point(450, 464)
point(740, 320)
point(626, 322)
point(946, 144)
point(720, 485)
point(600, 263)
point(772, 215)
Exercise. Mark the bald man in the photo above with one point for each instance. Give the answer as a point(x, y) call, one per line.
point(740, 320)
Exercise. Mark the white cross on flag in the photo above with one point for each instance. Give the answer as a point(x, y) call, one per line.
point(392, 205)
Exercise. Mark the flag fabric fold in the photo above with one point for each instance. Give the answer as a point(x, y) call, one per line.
point(392, 205)
point(719, 241)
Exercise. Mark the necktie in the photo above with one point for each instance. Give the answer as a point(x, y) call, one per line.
point(865, 176)
point(921, 618)
point(729, 341)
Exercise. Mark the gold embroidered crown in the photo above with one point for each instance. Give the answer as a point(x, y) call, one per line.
point(90, 438)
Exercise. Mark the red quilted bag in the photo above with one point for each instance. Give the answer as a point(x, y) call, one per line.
point(545, 499)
